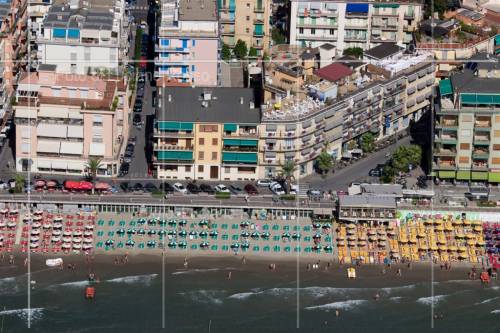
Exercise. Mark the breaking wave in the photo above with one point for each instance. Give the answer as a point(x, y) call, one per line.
point(344, 305)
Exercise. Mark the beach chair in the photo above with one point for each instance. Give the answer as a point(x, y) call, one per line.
point(276, 238)
point(277, 248)
point(122, 223)
point(307, 239)
point(194, 247)
point(307, 249)
point(265, 227)
point(224, 226)
point(296, 228)
point(286, 227)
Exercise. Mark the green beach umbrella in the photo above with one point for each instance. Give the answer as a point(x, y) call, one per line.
point(182, 244)
point(213, 234)
point(130, 243)
point(141, 232)
point(245, 234)
point(151, 232)
point(235, 246)
point(192, 233)
point(182, 233)
point(203, 234)
point(172, 223)
point(173, 232)
point(296, 236)
point(162, 222)
point(204, 245)
point(255, 234)
point(183, 222)
point(172, 244)
point(120, 231)
point(131, 231)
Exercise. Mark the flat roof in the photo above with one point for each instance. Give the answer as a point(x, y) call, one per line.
point(210, 105)
point(392, 189)
point(383, 51)
point(198, 10)
point(466, 82)
point(367, 200)
point(62, 16)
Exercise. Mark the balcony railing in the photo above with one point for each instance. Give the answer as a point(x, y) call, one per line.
point(445, 152)
point(173, 134)
point(157, 146)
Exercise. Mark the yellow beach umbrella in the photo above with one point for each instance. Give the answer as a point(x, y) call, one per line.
point(457, 222)
point(441, 241)
point(423, 247)
point(462, 249)
point(412, 240)
point(390, 227)
point(340, 238)
point(452, 248)
point(443, 248)
point(372, 238)
point(478, 228)
point(433, 247)
point(476, 222)
point(439, 228)
point(362, 237)
point(351, 238)
point(480, 242)
point(351, 244)
point(463, 256)
point(371, 232)
point(459, 235)
point(362, 243)
point(470, 242)
point(350, 226)
point(467, 222)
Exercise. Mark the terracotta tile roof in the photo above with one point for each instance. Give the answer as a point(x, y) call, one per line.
point(334, 72)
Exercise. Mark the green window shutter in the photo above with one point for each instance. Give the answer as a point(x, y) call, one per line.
point(386, 5)
point(479, 175)
point(175, 155)
point(468, 98)
point(230, 128)
point(446, 174)
point(239, 157)
point(168, 125)
point(494, 177)
point(186, 126)
point(231, 142)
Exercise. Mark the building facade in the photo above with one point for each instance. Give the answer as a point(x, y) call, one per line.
point(467, 125)
point(63, 120)
point(245, 20)
point(188, 41)
point(85, 37)
point(299, 129)
point(206, 134)
point(346, 24)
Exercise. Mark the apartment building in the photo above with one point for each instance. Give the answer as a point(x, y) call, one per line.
point(347, 24)
point(13, 48)
point(62, 120)
point(188, 42)
point(206, 134)
point(246, 20)
point(85, 37)
point(37, 9)
point(378, 96)
point(467, 124)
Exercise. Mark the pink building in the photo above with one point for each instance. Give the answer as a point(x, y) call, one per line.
point(188, 40)
point(62, 120)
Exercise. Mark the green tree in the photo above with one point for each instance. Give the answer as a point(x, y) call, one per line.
point(324, 161)
point(252, 53)
point(387, 174)
point(433, 6)
point(287, 173)
point(225, 52)
point(352, 145)
point(93, 164)
point(277, 36)
point(354, 51)
point(19, 180)
point(405, 156)
point(240, 49)
point(367, 142)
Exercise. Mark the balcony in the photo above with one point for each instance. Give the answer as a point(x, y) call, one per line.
point(355, 38)
point(445, 165)
point(445, 152)
point(172, 134)
point(163, 48)
point(446, 139)
point(168, 157)
point(240, 148)
point(480, 153)
point(259, 9)
point(480, 166)
point(166, 147)
point(409, 16)
point(482, 140)
point(482, 125)
point(356, 27)
point(447, 124)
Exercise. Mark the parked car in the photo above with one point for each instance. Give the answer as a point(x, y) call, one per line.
point(264, 182)
point(314, 192)
point(138, 187)
point(207, 189)
point(3, 185)
point(166, 188)
point(132, 140)
point(250, 189)
point(150, 187)
point(222, 188)
point(124, 168)
point(277, 189)
point(137, 120)
point(178, 187)
point(127, 158)
point(374, 173)
point(235, 189)
point(193, 188)
point(125, 187)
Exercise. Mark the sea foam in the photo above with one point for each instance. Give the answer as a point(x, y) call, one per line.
point(146, 279)
point(431, 300)
point(202, 270)
point(344, 305)
point(205, 296)
point(487, 300)
point(36, 313)
point(495, 311)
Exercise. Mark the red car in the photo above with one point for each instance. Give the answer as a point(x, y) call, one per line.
point(250, 189)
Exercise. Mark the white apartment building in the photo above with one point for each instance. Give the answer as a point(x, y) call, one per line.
point(84, 37)
point(344, 24)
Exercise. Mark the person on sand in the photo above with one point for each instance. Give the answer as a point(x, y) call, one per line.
point(186, 263)
point(337, 313)
point(398, 273)
point(244, 260)
point(376, 297)
point(229, 275)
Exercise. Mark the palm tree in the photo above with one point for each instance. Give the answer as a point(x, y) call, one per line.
point(324, 161)
point(19, 179)
point(287, 173)
point(93, 165)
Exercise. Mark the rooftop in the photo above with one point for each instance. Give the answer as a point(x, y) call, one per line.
point(208, 105)
point(367, 201)
point(197, 10)
point(334, 72)
point(383, 51)
point(63, 16)
point(383, 189)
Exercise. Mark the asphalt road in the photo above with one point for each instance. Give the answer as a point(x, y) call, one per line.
point(357, 171)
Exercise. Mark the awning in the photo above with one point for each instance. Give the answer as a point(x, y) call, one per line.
point(73, 148)
point(475, 175)
point(271, 127)
point(75, 115)
point(97, 149)
point(357, 8)
point(271, 141)
point(60, 165)
point(463, 175)
point(494, 177)
point(174, 126)
point(306, 124)
point(306, 138)
point(48, 146)
point(290, 154)
point(446, 174)
point(44, 164)
point(52, 112)
point(102, 186)
point(291, 127)
point(270, 154)
point(75, 131)
point(385, 5)
point(445, 87)
point(239, 157)
point(76, 166)
point(305, 152)
point(230, 127)
point(26, 113)
point(52, 130)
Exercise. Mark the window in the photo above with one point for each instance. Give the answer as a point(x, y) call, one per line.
point(193, 68)
point(301, 30)
point(201, 155)
point(214, 156)
point(496, 147)
point(56, 92)
point(84, 93)
point(97, 121)
point(313, 31)
point(332, 31)
point(463, 159)
point(248, 18)
point(200, 168)
point(495, 160)
point(215, 142)
point(227, 170)
point(25, 147)
point(208, 128)
point(467, 118)
point(248, 4)
point(302, 169)
point(466, 133)
point(497, 119)
point(194, 42)
point(201, 141)
point(496, 134)
point(465, 146)
point(187, 168)
point(247, 30)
